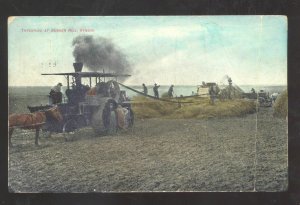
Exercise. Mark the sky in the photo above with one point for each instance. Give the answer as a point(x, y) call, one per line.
point(179, 50)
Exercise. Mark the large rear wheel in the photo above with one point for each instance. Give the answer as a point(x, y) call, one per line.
point(104, 121)
point(112, 124)
point(109, 117)
point(130, 118)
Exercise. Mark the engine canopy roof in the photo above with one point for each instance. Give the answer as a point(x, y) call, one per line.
point(89, 74)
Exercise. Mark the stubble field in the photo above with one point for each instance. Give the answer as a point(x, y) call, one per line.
point(219, 154)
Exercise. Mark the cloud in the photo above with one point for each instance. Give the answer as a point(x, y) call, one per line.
point(166, 50)
point(192, 66)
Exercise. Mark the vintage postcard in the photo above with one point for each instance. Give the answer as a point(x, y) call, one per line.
point(147, 104)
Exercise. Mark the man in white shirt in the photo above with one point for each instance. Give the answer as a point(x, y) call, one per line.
point(57, 88)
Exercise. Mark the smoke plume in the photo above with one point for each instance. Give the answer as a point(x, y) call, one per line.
point(98, 53)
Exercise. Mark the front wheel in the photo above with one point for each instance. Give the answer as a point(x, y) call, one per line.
point(68, 129)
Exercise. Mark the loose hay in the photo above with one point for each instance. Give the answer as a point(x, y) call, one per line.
point(199, 108)
point(281, 105)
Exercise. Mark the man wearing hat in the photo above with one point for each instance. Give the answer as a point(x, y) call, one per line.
point(145, 89)
point(155, 90)
point(56, 94)
point(171, 91)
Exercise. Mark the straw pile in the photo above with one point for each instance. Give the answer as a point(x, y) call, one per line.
point(200, 108)
point(281, 105)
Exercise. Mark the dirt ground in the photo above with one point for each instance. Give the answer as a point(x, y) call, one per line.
point(228, 154)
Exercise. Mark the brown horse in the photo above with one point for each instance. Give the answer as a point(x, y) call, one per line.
point(32, 121)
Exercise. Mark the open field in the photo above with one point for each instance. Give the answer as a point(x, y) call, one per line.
point(216, 154)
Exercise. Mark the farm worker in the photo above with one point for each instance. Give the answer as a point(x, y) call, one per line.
point(56, 94)
point(171, 91)
point(145, 89)
point(120, 117)
point(122, 96)
point(155, 90)
point(212, 94)
point(230, 88)
point(274, 97)
point(57, 88)
point(217, 90)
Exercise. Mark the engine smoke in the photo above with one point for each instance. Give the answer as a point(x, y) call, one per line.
point(98, 53)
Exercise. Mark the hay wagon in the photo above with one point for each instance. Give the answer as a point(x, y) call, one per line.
point(263, 98)
point(102, 106)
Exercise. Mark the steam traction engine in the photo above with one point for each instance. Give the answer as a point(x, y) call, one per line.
point(103, 106)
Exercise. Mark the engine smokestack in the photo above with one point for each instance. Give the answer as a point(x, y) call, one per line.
point(78, 67)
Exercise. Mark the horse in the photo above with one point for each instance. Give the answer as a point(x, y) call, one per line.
point(33, 121)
